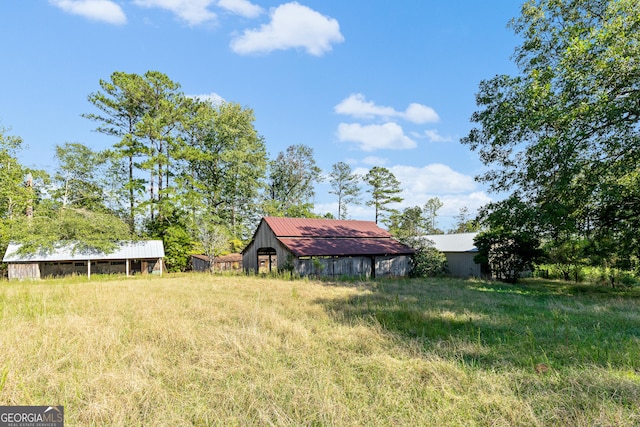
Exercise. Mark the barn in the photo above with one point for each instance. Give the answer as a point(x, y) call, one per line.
point(459, 250)
point(141, 257)
point(230, 262)
point(327, 248)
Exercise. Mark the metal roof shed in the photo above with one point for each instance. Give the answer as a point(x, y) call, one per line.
point(459, 249)
point(129, 257)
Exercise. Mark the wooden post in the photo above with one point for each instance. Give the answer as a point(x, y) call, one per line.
point(89, 269)
point(160, 261)
point(127, 266)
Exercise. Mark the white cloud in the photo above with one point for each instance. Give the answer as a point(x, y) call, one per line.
point(419, 184)
point(434, 136)
point(435, 178)
point(472, 201)
point(374, 161)
point(212, 97)
point(292, 26)
point(418, 113)
point(375, 137)
point(194, 12)
point(98, 10)
point(241, 7)
point(356, 105)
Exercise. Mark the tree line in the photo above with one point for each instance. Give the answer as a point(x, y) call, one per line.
point(193, 173)
point(561, 140)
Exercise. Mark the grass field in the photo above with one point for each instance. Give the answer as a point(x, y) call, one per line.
point(227, 350)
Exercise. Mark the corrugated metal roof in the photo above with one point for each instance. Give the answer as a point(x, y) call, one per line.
point(462, 242)
point(307, 246)
point(143, 249)
point(324, 228)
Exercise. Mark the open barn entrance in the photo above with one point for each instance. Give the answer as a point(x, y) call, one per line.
point(267, 260)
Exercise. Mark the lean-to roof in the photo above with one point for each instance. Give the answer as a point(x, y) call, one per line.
point(144, 249)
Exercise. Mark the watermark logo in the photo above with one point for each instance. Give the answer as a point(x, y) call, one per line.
point(31, 416)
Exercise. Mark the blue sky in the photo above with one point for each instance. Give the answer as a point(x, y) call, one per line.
point(367, 82)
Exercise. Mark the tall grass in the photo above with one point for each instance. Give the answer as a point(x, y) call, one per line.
point(221, 350)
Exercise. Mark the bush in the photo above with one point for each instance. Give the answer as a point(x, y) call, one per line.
point(427, 261)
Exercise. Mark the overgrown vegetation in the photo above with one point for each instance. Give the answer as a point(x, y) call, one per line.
point(560, 137)
point(208, 350)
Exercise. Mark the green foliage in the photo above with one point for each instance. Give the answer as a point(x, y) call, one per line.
point(290, 183)
point(408, 224)
point(384, 189)
point(177, 247)
point(344, 184)
point(212, 237)
point(427, 261)
point(430, 211)
point(465, 224)
point(562, 135)
point(52, 227)
point(77, 177)
point(508, 253)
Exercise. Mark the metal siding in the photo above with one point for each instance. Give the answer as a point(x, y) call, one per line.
point(462, 264)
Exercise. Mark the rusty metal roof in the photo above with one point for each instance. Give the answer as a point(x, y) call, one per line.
point(324, 228)
point(331, 237)
point(307, 246)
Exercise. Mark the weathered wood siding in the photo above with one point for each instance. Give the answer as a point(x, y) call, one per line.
point(23, 271)
point(336, 266)
point(264, 238)
point(354, 266)
point(199, 264)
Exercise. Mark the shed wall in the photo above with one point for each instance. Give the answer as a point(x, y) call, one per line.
point(461, 264)
point(23, 271)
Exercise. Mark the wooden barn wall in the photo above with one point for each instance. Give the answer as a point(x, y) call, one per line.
point(385, 266)
point(393, 266)
point(23, 271)
point(334, 267)
point(461, 264)
point(198, 264)
point(226, 265)
point(264, 238)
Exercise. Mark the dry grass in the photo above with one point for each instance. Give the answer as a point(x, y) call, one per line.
point(202, 350)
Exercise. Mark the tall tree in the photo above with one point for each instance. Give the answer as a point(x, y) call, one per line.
point(224, 164)
point(563, 134)
point(290, 186)
point(14, 195)
point(344, 184)
point(121, 107)
point(164, 110)
point(430, 211)
point(464, 222)
point(384, 189)
point(78, 176)
point(409, 224)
